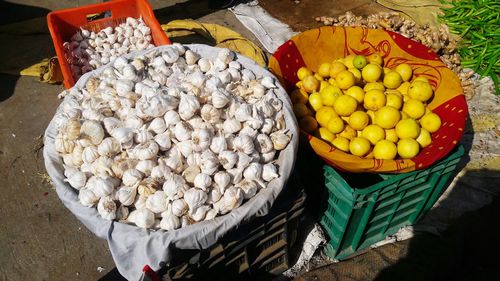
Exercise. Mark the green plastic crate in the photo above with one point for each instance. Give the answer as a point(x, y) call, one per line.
point(363, 209)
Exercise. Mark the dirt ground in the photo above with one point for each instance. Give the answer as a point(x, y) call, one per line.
point(39, 238)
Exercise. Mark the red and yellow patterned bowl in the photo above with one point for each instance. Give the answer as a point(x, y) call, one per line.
point(313, 47)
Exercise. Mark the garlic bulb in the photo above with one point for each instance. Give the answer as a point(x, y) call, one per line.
point(158, 125)
point(218, 144)
point(243, 112)
point(143, 136)
point(173, 186)
point(100, 187)
point(169, 221)
point(267, 157)
point(188, 106)
point(195, 198)
point(214, 195)
point(232, 199)
point(147, 187)
point(253, 172)
point(107, 208)
point(122, 134)
point(171, 118)
point(101, 167)
point(163, 141)
point(87, 197)
point(157, 202)
point(269, 172)
point(126, 195)
point(109, 147)
point(248, 187)
point(71, 129)
point(190, 173)
point(131, 177)
point(202, 181)
point(199, 213)
point(228, 159)
point(63, 145)
point(179, 207)
point(77, 179)
point(92, 130)
point(145, 167)
point(142, 218)
point(244, 144)
point(145, 151)
point(219, 99)
point(222, 179)
point(200, 139)
point(182, 131)
point(210, 114)
point(160, 172)
point(280, 139)
point(211, 214)
point(209, 162)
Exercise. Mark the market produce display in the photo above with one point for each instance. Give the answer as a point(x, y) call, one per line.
point(171, 138)
point(366, 109)
point(89, 50)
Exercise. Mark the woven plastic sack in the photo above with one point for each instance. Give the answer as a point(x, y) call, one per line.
point(133, 247)
point(315, 46)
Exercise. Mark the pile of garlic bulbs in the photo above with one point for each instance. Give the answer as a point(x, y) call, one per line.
point(89, 50)
point(171, 138)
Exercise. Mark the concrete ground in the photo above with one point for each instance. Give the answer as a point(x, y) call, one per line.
point(39, 238)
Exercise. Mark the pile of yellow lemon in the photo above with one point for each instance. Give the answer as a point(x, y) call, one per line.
point(366, 109)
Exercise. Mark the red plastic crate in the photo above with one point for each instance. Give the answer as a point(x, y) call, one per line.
point(64, 23)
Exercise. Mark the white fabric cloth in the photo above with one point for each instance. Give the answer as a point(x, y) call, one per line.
point(133, 247)
point(271, 32)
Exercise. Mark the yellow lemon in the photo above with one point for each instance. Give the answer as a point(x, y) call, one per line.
point(356, 73)
point(394, 99)
point(323, 85)
point(310, 84)
point(330, 94)
point(315, 101)
point(345, 79)
point(373, 133)
point(391, 135)
point(392, 80)
point(371, 72)
point(431, 122)
point(375, 58)
point(374, 86)
point(341, 143)
point(324, 69)
point(349, 61)
point(403, 88)
point(359, 120)
point(371, 114)
point(414, 108)
point(324, 134)
point(374, 99)
point(301, 110)
point(424, 139)
point(299, 96)
point(345, 105)
point(421, 78)
point(303, 72)
point(318, 77)
point(324, 114)
point(356, 92)
point(308, 124)
point(387, 117)
point(408, 148)
point(359, 61)
point(420, 90)
point(348, 132)
point(405, 71)
point(333, 82)
point(407, 128)
point(335, 125)
point(359, 146)
point(335, 68)
point(385, 150)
